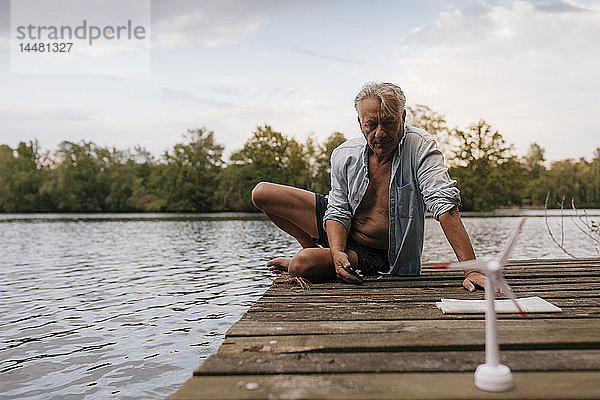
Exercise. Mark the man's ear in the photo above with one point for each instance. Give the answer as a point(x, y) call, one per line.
point(359, 124)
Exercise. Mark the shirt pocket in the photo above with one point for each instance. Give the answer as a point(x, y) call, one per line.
point(408, 200)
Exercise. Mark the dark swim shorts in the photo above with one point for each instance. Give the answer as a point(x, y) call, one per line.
point(370, 261)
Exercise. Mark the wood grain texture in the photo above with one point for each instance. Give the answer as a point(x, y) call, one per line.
point(458, 385)
point(440, 338)
point(414, 312)
point(568, 328)
point(406, 361)
point(385, 339)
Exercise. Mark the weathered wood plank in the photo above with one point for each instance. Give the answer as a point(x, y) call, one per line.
point(547, 385)
point(536, 263)
point(591, 283)
point(434, 280)
point(385, 308)
point(564, 298)
point(447, 361)
point(414, 312)
point(428, 338)
point(516, 272)
point(586, 290)
point(552, 261)
point(282, 327)
point(544, 261)
point(308, 304)
point(420, 297)
point(386, 339)
point(510, 273)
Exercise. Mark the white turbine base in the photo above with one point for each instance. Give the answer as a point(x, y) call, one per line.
point(493, 378)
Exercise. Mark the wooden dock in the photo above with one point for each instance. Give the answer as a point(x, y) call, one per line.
point(386, 339)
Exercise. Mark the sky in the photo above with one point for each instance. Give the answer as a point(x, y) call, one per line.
point(529, 68)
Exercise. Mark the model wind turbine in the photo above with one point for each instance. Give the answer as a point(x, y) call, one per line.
point(492, 376)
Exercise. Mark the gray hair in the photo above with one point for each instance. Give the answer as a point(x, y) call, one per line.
point(391, 97)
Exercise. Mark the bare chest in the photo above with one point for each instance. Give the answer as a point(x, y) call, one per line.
point(370, 222)
point(377, 196)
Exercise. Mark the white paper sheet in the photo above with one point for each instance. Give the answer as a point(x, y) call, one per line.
point(528, 304)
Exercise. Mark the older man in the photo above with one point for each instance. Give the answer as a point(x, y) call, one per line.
point(373, 220)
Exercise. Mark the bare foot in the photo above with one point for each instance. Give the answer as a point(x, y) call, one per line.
point(279, 264)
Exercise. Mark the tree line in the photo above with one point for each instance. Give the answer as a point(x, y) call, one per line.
point(193, 175)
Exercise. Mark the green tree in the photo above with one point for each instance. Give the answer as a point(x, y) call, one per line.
point(560, 180)
point(191, 176)
point(593, 179)
point(266, 156)
point(21, 176)
point(579, 180)
point(187, 180)
point(434, 123)
point(321, 169)
point(273, 156)
point(533, 162)
point(79, 185)
point(504, 185)
point(480, 146)
point(7, 167)
point(142, 198)
point(479, 150)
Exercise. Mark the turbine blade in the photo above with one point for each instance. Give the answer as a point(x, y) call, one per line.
point(503, 256)
point(508, 291)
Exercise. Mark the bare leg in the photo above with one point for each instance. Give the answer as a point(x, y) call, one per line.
point(292, 210)
point(285, 225)
point(316, 264)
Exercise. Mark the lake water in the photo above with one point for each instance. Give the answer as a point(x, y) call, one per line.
point(127, 305)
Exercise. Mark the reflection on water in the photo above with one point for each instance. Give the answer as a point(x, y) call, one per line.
point(128, 305)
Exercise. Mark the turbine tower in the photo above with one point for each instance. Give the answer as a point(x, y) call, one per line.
point(493, 376)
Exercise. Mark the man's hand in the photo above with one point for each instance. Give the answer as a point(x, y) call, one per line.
point(344, 269)
point(474, 280)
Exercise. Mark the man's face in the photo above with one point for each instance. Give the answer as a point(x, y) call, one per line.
point(383, 132)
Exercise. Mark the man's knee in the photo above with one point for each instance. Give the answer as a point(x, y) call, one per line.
point(261, 194)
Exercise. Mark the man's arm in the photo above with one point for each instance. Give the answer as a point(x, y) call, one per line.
point(442, 198)
point(337, 237)
point(338, 218)
point(461, 244)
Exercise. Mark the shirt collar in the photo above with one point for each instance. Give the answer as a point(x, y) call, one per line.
point(366, 158)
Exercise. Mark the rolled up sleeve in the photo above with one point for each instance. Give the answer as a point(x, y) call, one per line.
point(439, 191)
point(338, 206)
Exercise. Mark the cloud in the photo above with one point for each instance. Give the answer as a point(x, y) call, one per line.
point(225, 85)
point(13, 114)
point(209, 23)
point(329, 57)
point(180, 95)
point(215, 23)
point(531, 73)
point(49, 125)
point(199, 27)
point(557, 6)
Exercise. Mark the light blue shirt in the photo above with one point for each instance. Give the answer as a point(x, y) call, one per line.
point(419, 181)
